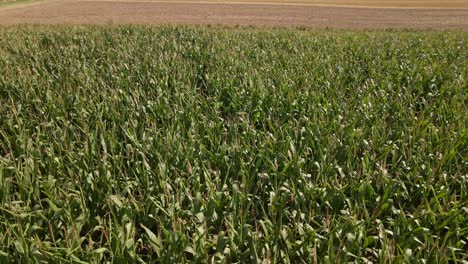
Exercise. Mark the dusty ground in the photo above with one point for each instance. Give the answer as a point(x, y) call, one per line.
point(453, 15)
point(360, 3)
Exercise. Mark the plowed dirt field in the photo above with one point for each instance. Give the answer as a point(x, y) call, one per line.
point(361, 14)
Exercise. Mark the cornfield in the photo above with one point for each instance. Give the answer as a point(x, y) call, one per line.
point(202, 144)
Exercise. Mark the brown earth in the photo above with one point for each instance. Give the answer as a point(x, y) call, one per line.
point(309, 13)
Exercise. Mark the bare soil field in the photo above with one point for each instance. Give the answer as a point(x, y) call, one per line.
point(366, 14)
point(355, 3)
